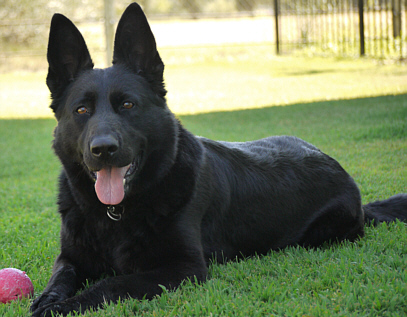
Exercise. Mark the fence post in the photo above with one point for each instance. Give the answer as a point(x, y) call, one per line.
point(361, 29)
point(109, 29)
point(396, 8)
point(276, 12)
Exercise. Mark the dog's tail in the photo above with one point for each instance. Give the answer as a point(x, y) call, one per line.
point(388, 210)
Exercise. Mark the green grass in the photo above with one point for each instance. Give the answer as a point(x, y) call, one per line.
point(366, 278)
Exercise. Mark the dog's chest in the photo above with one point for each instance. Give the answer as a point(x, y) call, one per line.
point(119, 246)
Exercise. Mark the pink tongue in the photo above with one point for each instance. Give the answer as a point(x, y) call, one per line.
point(109, 185)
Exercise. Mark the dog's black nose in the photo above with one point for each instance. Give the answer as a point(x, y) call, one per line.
point(104, 146)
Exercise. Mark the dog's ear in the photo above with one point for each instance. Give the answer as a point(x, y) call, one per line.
point(67, 54)
point(135, 47)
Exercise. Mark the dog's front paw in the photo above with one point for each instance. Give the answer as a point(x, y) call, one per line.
point(55, 309)
point(47, 310)
point(45, 300)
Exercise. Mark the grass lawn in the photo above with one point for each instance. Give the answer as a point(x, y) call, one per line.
point(367, 135)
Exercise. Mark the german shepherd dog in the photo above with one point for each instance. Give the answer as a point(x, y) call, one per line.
point(145, 203)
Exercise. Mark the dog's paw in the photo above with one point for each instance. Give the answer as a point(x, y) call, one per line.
point(45, 299)
point(55, 309)
point(48, 310)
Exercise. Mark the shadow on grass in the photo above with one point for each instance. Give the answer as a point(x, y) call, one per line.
point(382, 117)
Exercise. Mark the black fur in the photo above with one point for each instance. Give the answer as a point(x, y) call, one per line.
point(187, 200)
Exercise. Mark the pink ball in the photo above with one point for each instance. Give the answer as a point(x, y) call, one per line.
point(14, 284)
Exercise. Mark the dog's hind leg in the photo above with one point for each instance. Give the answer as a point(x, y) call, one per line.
point(335, 222)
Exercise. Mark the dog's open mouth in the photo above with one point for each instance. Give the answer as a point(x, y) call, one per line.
point(110, 181)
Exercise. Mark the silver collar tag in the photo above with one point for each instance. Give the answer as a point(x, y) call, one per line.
point(115, 212)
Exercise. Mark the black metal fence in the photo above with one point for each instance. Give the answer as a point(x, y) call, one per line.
point(375, 28)
point(343, 27)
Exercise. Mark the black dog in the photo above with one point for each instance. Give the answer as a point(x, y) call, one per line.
point(144, 201)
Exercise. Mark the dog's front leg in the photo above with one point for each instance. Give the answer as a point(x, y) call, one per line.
point(62, 285)
point(139, 285)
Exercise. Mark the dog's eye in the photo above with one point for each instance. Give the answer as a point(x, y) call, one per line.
point(127, 105)
point(82, 110)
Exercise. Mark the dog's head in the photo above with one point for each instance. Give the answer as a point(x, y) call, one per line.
point(112, 122)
